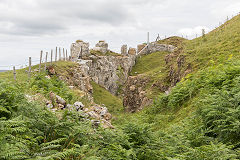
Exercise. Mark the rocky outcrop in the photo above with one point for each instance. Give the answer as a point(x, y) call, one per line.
point(178, 67)
point(108, 71)
point(135, 95)
point(111, 72)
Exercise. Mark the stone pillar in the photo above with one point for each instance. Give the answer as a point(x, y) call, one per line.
point(101, 46)
point(124, 50)
point(132, 51)
point(79, 49)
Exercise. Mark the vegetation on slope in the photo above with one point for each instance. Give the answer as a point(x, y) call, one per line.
point(102, 96)
point(199, 119)
point(215, 47)
point(108, 53)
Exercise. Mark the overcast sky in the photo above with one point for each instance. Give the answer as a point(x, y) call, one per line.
point(28, 26)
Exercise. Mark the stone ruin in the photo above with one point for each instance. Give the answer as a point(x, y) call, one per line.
point(79, 50)
point(154, 47)
point(132, 51)
point(124, 50)
point(101, 46)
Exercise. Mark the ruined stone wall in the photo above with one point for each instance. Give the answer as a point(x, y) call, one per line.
point(155, 47)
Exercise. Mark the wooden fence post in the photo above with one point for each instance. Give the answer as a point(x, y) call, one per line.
point(51, 56)
point(40, 61)
point(64, 59)
point(46, 61)
point(30, 68)
point(147, 37)
point(56, 55)
point(14, 73)
point(59, 54)
point(203, 33)
point(67, 56)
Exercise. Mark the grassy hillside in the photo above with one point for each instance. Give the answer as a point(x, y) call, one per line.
point(216, 47)
point(102, 96)
point(199, 119)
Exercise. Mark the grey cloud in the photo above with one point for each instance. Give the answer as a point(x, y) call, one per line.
point(47, 17)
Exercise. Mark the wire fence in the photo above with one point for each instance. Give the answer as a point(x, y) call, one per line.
point(46, 58)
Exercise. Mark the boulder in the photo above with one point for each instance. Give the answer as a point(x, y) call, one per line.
point(51, 70)
point(103, 111)
point(94, 115)
point(132, 88)
point(95, 123)
point(107, 124)
point(60, 106)
point(78, 106)
point(50, 106)
point(101, 46)
point(107, 116)
point(60, 100)
point(132, 51)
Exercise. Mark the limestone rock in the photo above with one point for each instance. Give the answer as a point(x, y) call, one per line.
point(95, 123)
point(135, 98)
point(94, 115)
point(78, 106)
point(57, 100)
point(132, 88)
point(60, 100)
point(79, 50)
point(111, 71)
point(132, 51)
point(101, 46)
point(51, 70)
point(50, 106)
point(107, 124)
point(124, 50)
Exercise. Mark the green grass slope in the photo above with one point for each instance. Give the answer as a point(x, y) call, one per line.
point(216, 47)
point(102, 96)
